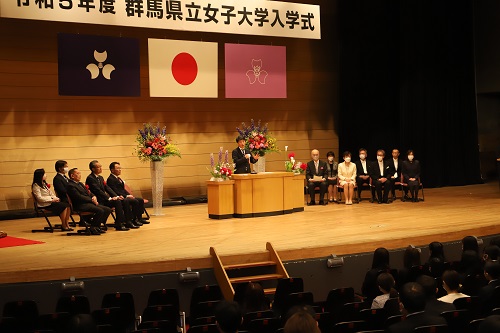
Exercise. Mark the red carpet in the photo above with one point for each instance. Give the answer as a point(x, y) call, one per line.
point(14, 241)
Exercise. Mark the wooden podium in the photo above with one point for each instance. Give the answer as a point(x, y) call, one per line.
point(220, 199)
point(268, 193)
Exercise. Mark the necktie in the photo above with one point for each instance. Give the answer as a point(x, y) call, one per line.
point(66, 178)
point(316, 165)
point(243, 151)
point(120, 180)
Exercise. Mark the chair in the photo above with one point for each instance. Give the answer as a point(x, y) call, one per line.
point(340, 190)
point(53, 321)
point(129, 190)
point(249, 316)
point(164, 297)
point(470, 303)
point(299, 298)
point(457, 320)
point(147, 330)
point(164, 326)
point(107, 316)
point(325, 321)
point(393, 320)
point(417, 270)
point(124, 301)
point(264, 325)
point(203, 329)
point(201, 321)
point(472, 284)
point(203, 309)
point(40, 211)
point(337, 298)
point(285, 287)
point(474, 325)
point(23, 313)
point(392, 307)
point(420, 189)
point(372, 331)
point(350, 312)
point(161, 312)
point(374, 318)
point(432, 329)
point(73, 304)
point(349, 327)
point(83, 216)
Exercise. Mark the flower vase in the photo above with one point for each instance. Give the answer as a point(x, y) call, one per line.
point(260, 166)
point(157, 186)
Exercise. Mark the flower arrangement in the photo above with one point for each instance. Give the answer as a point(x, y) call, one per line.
point(153, 144)
point(294, 166)
point(223, 169)
point(258, 139)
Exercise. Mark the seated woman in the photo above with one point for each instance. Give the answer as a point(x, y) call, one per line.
point(331, 176)
point(451, 283)
point(437, 260)
point(46, 199)
point(411, 257)
point(380, 264)
point(347, 177)
point(411, 175)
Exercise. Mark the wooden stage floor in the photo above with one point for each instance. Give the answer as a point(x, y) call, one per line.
point(182, 237)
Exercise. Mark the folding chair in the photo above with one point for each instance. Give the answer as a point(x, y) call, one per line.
point(285, 287)
point(340, 190)
point(40, 211)
point(203, 329)
point(161, 312)
point(164, 297)
point(470, 303)
point(337, 298)
point(374, 318)
point(129, 190)
point(420, 189)
point(73, 304)
point(432, 329)
point(457, 320)
point(203, 294)
point(349, 326)
point(264, 325)
point(23, 313)
point(83, 216)
point(124, 301)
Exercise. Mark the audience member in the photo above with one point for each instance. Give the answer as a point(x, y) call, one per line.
point(470, 243)
point(381, 175)
point(437, 260)
point(386, 285)
point(85, 201)
point(395, 164)
point(107, 197)
point(411, 175)
point(432, 305)
point(301, 322)
point(363, 169)
point(492, 275)
point(331, 176)
point(451, 283)
point(347, 177)
point(380, 264)
point(133, 206)
point(254, 298)
point(228, 317)
point(242, 157)
point(490, 324)
point(316, 177)
point(81, 323)
point(411, 257)
point(46, 199)
point(470, 264)
point(60, 180)
point(491, 253)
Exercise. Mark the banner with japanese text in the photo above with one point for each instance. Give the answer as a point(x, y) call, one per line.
point(248, 17)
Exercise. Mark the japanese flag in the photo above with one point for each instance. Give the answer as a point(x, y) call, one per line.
point(182, 68)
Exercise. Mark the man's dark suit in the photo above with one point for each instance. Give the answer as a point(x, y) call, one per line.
point(486, 296)
point(398, 174)
point(415, 320)
point(361, 172)
point(134, 207)
point(60, 186)
point(376, 174)
point(81, 200)
point(103, 192)
point(310, 173)
point(435, 307)
point(241, 162)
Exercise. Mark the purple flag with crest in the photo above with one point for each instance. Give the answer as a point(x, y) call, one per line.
point(98, 65)
point(255, 71)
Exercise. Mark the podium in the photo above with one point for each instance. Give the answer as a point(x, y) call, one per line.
point(267, 194)
point(220, 199)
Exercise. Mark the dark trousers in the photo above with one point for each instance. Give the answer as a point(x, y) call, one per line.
point(101, 213)
point(413, 187)
point(117, 205)
point(360, 182)
point(322, 189)
point(378, 188)
point(134, 207)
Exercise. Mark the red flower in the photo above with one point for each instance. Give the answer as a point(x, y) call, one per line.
point(303, 166)
point(104, 182)
point(87, 187)
point(48, 185)
point(292, 154)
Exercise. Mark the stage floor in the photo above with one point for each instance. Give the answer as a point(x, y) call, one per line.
point(182, 237)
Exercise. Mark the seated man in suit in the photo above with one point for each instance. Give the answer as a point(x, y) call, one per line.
point(107, 197)
point(60, 180)
point(363, 167)
point(413, 298)
point(85, 201)
point(381, 173)
point(432, 305)
point(242, 157)
point(316, 176)
point(486, 295)
point(133, 206)
point(395, 163)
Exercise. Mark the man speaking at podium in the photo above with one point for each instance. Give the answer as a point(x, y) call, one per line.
point(242, 157)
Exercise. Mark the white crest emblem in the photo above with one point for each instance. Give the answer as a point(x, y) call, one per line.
point(95, 70)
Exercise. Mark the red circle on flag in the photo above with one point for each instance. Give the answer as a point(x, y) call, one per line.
point(184, 68)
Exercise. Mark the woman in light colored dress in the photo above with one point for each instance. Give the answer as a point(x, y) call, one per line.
point(347, 177)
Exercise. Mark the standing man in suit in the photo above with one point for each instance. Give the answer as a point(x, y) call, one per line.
point(60, 180)
point(85, 201)
point(396, 166)
point(316, 176)
point(381, 175)
point(133, 206)
point(106, 196)
point(242, 157)
point(363, 167)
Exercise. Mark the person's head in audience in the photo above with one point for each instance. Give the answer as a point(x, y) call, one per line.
point(95, 167)
point(395, 153)
point(255, 298)
point(413, 297)
point(411, 257)
point(330, 156)
point(470, 262)
point(363, 154)
point(436, 250)
point(451, 281)
point(39, 177)
point(469, 243)
point(490, 324)
point(75, 174)
point(491, 252)
point(347, 156)
point(115, 168)
point(61, 167)
point(380, 258)
point(297, 309)
point(81, 323)
point(386, 283)
point(410, 154)
point(315, 155)
point(240, 140)
point(380, 155)
point(428, 284)
point(495, 241)
point(228, 317)
point(300, 319)
point(492, 270)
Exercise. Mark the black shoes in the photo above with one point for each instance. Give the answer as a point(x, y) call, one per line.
point(312, 203)
point(131, 225)
point(121, 228)
point(323, 203)
point(95, 231)
point(143, 221)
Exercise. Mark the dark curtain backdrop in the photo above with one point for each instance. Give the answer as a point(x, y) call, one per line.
point(407, 82)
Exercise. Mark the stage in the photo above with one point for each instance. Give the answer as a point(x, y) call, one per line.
point(183, 235)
